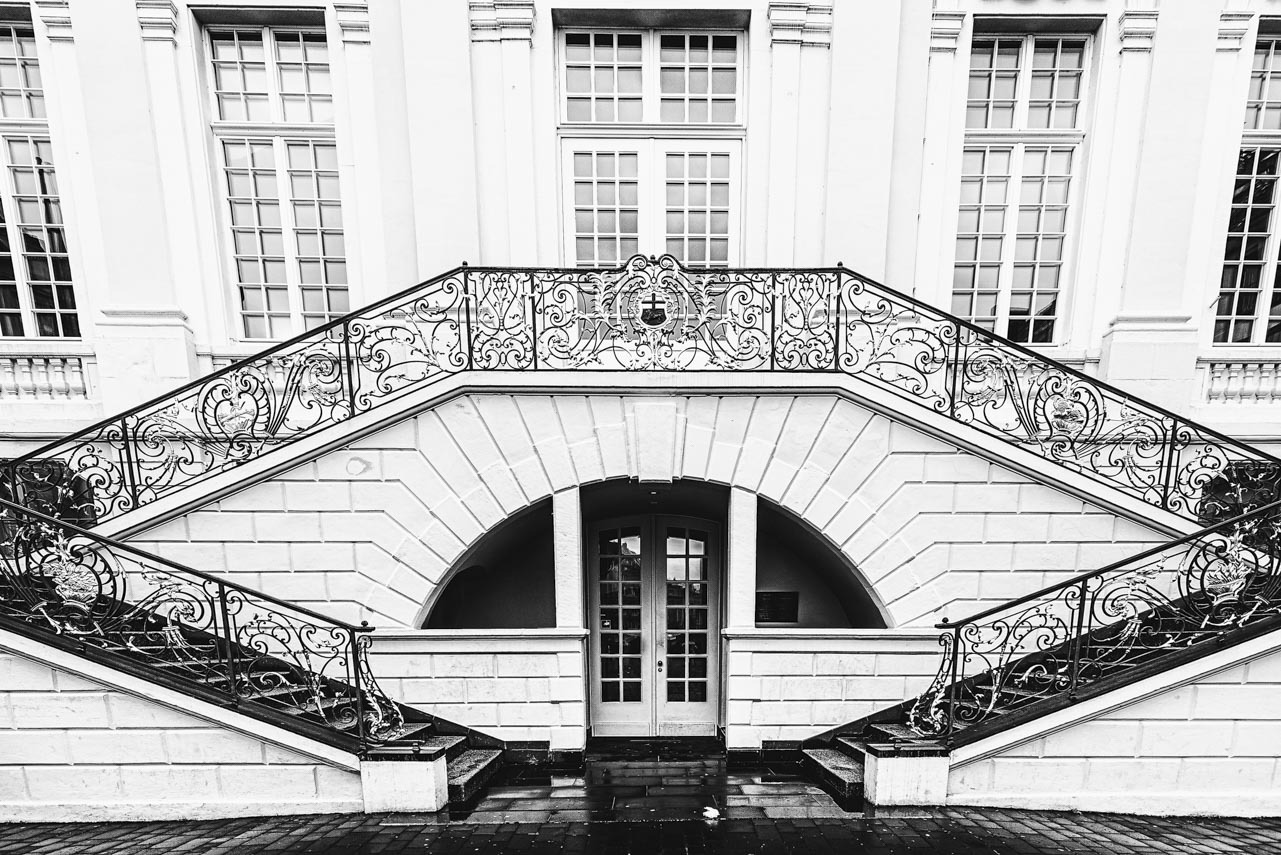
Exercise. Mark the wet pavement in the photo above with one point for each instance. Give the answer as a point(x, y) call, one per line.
point(652, 797)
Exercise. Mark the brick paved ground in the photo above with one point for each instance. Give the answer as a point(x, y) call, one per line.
point(652, 803)
point(946, 832)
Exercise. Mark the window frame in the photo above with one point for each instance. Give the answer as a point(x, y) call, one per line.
point(280, 133)
point(33, 130)
point(1259, 141)
point(650, 66)
point(651, 140)
point(1019, 138)
point(651, 182)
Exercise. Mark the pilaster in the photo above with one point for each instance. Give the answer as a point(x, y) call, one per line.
point(502, 33)
point(800, 111)
point(567, 540)
point(740, 539)
point(1150, 344)
point(110, 163)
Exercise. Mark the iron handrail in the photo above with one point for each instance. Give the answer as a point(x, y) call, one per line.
point(209, 636)
point(958, 349)
point(1115, 565)
point(1106, 624)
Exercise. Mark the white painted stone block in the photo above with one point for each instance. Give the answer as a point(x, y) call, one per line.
point(905, 780)
point(411, 786)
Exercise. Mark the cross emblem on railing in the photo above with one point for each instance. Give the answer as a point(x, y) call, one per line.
point(653, 309)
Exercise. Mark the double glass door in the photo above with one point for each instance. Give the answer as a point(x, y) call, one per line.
point(655, 618)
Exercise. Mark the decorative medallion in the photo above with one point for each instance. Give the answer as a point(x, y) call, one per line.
point(72, 581)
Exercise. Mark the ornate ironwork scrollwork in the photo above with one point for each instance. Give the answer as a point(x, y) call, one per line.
point(1080, 632)
point(651, 314)
point(209, 633)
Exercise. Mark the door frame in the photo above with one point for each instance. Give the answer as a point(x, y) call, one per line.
point(653, 628)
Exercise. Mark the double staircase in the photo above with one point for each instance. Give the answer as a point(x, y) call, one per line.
point(1214, 586)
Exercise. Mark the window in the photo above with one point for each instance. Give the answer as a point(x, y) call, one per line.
point(273, 128)
point(1248, 309)
point(652, 127)
point(1023, 139)
point(37, 295)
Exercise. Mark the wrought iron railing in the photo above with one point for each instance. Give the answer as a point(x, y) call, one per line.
point(1057, 642)
point(649, 315)
point(222, 641)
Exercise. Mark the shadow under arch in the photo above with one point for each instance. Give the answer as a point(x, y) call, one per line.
point(506, 579)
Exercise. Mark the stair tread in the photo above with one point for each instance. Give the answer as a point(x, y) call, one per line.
point(471, 763)
point(838, 763)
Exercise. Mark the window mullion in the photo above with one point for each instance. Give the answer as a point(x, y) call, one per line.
point(1271, 251)
point(21, 279)
point(649, 76)
point(277, 106)
point(1009, 241)
point(289, 228)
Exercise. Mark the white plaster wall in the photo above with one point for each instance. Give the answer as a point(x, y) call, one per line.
point(792, 684)
point(369, 532)
point(522, 685)
point(1212, 745)
point(76, 750)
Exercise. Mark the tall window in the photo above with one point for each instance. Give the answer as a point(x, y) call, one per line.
point(37, 296)
point(652, 122)
point(1023, 137)
point(1248, 310)
point(273, 128)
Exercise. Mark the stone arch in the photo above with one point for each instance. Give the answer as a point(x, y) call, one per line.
point(932, 530)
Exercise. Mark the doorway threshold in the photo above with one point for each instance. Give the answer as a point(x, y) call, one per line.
point(654, 748)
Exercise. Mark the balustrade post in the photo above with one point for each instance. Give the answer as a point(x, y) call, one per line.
point(955, 380)
point(1078, 641)
point(1168, 463)
point(349, 367)
point(127, 463)
point(228, 644)
point(354, 641)
point(953, 677)
point(773, 319)
point(467, 314)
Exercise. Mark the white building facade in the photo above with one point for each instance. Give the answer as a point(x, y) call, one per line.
point(551, 555)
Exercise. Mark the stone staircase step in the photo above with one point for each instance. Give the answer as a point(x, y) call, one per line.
point(893, 732)
point(469, 771)
point(837, 772)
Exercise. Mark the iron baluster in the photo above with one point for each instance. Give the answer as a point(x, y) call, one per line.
point(1168, 464)
point(350, 367)
point(228, 645)
point(954, 381)
point(1078, 642)
point(953, 679)
point(132, 478)
point(467, 331)
point(354, 641)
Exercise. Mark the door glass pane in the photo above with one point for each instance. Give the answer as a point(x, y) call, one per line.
point(687, 615)
point(619, 581)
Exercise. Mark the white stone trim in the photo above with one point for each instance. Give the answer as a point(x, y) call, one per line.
point(945, 31)
point(56, 17)
point(1233, 28)
point(1137, 30)
point(220, 716)
point(501, 20)
point(353, 22)
point(158, 20)
point(802, 23)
